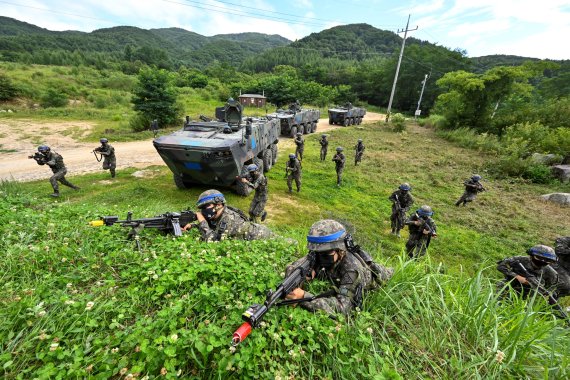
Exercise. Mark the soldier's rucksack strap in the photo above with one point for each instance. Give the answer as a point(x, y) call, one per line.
point(239, 212)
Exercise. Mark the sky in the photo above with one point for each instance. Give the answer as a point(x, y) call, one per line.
point(529, 28)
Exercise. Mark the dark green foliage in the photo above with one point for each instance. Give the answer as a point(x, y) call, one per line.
point(53, 97)
point(155, 96)
point(8, 90)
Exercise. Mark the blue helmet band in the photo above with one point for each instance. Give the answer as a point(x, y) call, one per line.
point(326, 238)
point(209, 197)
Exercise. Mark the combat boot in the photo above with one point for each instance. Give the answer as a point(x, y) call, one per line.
point(76, 187)
point(112, 173)
point(55, 194)
point(263, 216)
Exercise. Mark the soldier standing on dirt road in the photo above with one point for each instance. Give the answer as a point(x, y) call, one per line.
point(108, 153)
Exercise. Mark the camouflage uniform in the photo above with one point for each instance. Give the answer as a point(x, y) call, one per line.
point(109, 159)
point(55, 162)
point(300, 142)
point(324, 147)
point(405, 201)
point(233, 225)
point(256, 209)
point(352, 274)
point(471, 189)
point(339, 160)
point(562, 267)
point(293, 173)
point(546, 275)
point(359, 152)
point(418, 241)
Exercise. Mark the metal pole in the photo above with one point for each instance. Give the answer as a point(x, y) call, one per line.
point(398, 68)
point(421, 94)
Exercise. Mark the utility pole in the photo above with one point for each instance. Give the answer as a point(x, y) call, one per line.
point(398, 67)
point(421, 94)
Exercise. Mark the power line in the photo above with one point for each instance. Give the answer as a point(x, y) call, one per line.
point(56, 12)
point(214, 8)
point(267, 10)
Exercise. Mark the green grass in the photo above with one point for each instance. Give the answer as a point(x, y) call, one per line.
point(176, 304)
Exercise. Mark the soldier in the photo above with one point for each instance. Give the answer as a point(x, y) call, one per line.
point(402, 200)
point(359, 152)
point(562, 266)
point(521, 271)
point(300, 142)
point(339, 160)
point(259, 183)
point(324, 147)
point(472, 187)
point(422, 228)
point(55, 162)
point(108, 153)
point(293, 172)
point(349, 268)
point(187, 121)
point(217, 221)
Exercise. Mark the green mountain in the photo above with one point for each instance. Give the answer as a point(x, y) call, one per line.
point(168, 47)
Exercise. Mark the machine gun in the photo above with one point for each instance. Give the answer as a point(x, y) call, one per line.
point(535, 285)
point(38, 157)
point(169, 222)
point(253, 315)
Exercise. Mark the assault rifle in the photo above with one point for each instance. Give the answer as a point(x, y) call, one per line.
point(169, 222)
point(253, 315)
point(535, 285)
point(38, 157)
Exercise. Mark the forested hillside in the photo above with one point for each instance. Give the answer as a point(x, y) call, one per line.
point(127, 47)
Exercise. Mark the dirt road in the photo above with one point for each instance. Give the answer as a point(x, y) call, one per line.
point(20, 138)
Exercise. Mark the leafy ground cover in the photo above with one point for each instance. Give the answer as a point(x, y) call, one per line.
point(77, 301)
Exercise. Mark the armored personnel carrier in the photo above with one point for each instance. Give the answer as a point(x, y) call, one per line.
point(346, 115)
point(295, 119)
point(216, 152)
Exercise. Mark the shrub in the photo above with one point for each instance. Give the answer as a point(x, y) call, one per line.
point(398, 122)
point(139, 122)
point(53, 98)
point(433, 121)
point(7, 90)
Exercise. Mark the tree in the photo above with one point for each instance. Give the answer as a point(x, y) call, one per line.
point(7, 90)
point(155, 97)
point(472, 99)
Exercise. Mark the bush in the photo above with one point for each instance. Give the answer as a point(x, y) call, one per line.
point(139, 123)
point(398, 122)
point(513, 166)
point(53, 98)
point(433, 121)
point(7, 90)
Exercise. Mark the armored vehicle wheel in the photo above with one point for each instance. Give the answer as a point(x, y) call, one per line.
point(346, 122)
point(302, 129)
point(331, 122)
point(359, 121)
point(293, 132)
point(313, 127)
point(267, 160)
point(180, 183)
point(274, 151)
point(352, 121)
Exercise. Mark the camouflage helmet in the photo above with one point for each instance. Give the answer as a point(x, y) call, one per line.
point(476, 177)
point(324, 136)
point(299, 134)
point(43, 148)
point(103, 140)
point(339, 149)
point(544, 253)
point(325, 235)
point(359, 140)
point(405, 186)
point(210, 196)
point(292, 155)
point(425, 210)
point(252, 167)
